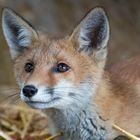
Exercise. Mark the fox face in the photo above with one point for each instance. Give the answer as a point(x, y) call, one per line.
point(57, 73)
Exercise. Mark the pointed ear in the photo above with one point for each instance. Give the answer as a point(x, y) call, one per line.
point(92, 33)
point(18, 33)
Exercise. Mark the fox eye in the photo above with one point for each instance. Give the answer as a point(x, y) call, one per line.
point(29, 67)
point(62, 67)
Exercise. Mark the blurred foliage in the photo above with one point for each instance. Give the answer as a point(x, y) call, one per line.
point(59, 17)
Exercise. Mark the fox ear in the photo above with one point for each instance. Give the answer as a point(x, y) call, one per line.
point(18, 33)
point(93, 33)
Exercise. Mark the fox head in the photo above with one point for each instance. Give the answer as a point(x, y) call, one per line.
point(57, 73)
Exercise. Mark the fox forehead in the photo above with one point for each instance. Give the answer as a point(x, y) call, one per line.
point(46, 54)
point(47, 50)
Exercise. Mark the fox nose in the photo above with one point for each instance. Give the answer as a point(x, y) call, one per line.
point(29, 91)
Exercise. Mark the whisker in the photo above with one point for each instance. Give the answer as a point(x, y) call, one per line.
point(9, 97)
point(63, 88)
point(13, 100)
point(55, 88)
point(16, 100)
point(79, 95)
point(8, 94)
point(9, 89)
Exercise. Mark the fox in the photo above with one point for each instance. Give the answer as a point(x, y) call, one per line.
point(66, 78)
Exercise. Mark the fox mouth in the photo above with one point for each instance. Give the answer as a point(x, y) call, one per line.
point(42, 105)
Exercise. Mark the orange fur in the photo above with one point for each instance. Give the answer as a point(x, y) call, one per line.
point(119, 96)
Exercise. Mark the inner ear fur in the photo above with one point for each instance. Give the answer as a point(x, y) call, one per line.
point(92, 34)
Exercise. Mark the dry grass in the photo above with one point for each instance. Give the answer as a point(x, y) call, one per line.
point(128, 134)
point(20, 123)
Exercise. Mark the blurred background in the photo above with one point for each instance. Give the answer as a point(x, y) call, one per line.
point(59, 17)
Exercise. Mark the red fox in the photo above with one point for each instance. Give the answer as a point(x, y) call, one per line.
point(66, 78)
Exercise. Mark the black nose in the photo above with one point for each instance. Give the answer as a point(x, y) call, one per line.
point(29, 91)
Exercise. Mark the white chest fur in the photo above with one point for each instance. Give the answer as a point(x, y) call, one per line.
point(78, 125)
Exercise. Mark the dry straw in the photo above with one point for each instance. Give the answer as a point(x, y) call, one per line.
point(129, 135)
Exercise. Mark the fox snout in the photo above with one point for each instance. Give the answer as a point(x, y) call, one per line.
point(29, 91)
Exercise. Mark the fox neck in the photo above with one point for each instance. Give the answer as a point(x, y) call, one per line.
point(84, 123)
point(76, 124)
